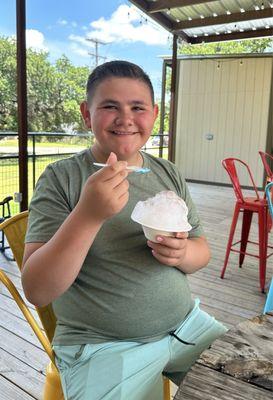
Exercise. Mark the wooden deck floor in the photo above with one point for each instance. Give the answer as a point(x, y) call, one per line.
point(237, 297)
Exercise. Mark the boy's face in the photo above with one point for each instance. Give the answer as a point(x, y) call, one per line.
point(121, 116)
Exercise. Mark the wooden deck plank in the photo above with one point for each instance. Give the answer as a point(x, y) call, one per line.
point(9, 391)
point(203, 383)
point(26, 378)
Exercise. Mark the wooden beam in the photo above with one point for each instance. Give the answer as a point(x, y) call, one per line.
point(171, 143)
point(162, 5)
point(259, 33)
point(160, 18)
point(224, 19)
point(22, 101)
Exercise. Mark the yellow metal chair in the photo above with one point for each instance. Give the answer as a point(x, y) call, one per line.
point(14, 229)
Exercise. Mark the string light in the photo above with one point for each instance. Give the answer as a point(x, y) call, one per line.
point(189, 18)
point(242, 10)
point(228, 12)
point(202, 16)
point(215, 14)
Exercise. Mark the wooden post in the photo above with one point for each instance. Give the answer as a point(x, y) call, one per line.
point(162, 109)
point(171, 156)
point(22, 102)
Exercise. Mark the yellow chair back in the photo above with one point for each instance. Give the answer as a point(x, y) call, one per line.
point(14, 229)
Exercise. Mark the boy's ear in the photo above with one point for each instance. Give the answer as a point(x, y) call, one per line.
point(155, 111)
point(86, 114)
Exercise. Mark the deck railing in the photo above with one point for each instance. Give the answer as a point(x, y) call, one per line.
point(45, 148)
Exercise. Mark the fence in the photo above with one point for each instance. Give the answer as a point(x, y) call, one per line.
point(43, 149)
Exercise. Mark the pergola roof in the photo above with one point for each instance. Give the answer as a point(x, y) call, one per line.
point(197, 21)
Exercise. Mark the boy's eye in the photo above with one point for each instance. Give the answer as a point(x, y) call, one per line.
point(138, 108)
point(110, 106)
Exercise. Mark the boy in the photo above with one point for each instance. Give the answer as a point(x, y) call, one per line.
point(123, 305)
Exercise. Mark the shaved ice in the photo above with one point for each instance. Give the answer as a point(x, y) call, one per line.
point(165, 212)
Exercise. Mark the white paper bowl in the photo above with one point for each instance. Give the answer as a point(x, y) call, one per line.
point(151, 233)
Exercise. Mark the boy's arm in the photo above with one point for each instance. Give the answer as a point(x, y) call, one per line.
point(187, 254)
point(49, 269)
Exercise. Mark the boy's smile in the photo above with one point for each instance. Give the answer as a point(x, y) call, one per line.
point(121, 116)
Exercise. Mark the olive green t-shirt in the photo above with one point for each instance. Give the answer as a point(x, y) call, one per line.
point(122, 292)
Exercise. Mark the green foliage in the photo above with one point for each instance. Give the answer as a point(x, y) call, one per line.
point(230, 47)
point(54, 91)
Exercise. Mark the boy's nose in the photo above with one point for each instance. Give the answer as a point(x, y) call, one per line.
point(124, 118)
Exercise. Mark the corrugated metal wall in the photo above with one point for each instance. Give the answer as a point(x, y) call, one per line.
point(222, 111)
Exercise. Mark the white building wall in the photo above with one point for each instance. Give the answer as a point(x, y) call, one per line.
point(226, 100)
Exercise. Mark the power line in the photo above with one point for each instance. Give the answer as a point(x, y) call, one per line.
point(96, 54)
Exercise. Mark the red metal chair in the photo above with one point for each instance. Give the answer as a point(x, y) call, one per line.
point(248, 206)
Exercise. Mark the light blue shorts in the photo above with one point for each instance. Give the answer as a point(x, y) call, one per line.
point(131, 370)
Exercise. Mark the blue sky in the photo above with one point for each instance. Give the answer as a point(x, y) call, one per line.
point(62, 27)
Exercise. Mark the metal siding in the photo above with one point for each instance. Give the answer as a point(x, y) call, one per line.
point(232, 103)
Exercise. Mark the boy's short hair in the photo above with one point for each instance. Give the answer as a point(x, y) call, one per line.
point(116, 69)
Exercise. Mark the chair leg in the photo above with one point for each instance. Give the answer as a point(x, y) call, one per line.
point(263, 239)
point(269, 222)
point(230, 239)
point(53, 388)
point(166, 388)
point(247, 218)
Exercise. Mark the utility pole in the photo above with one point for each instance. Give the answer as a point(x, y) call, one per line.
point(96, 54)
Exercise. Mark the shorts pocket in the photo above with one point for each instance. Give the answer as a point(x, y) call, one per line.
point(69, 356)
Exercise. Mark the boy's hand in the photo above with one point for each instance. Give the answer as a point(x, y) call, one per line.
point(105, 192)
point(170, 250)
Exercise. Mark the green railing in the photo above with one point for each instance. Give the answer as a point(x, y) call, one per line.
point(43, 149)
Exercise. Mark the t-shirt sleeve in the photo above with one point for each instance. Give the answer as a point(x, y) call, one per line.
point(48, 208)
point(193, 218)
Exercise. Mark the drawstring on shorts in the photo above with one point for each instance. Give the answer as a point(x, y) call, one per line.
point(180, 340)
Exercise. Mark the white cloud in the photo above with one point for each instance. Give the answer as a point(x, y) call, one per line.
point(35, 40)
point(82, 40)
point(127, 24)
point(62, 22)
point(79, 50)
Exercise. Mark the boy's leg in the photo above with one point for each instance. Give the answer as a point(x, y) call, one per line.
point(199, 329)
point(113, 371)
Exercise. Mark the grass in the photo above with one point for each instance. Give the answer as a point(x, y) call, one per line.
point(9, 169)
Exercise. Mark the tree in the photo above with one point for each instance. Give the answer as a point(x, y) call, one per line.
point(54, 90)
point(8, 105)
point(229, 47)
